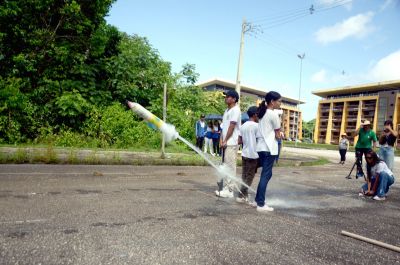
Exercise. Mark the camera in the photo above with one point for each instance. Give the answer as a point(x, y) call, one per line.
point(386, 130)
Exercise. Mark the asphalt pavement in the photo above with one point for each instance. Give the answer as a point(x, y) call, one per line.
point(96, 214)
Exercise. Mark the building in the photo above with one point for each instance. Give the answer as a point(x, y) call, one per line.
point(291, 114)
point(341, 110)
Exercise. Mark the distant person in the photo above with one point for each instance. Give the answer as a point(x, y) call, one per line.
point(366, 140)
point(380, 178)
point(267, 144)
point(201, 128)
point(343, 148)
point(248, 137)
point(386, 144)
point(215, 137)
point(208, 138)
point(229, 141)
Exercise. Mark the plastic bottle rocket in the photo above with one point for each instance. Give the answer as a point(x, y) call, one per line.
point(167, 129)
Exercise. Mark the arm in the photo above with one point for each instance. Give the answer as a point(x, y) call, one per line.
point(391, 130)
point(232, 126)
point(357, 131)
point(372, 190)
point(278, 134)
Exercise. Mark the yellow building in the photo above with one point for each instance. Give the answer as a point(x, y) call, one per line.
point(291, 114)
point(341, 110)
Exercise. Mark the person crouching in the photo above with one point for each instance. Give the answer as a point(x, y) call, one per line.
point(379, 178)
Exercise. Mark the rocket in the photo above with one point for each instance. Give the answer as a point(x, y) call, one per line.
point(167, 129)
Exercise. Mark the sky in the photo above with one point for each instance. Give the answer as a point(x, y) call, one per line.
point(344, 42)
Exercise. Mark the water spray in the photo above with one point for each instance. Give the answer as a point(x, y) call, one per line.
point(171, 134)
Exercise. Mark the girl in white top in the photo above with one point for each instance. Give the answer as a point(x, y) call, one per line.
point(267, 144)
point(380, 177)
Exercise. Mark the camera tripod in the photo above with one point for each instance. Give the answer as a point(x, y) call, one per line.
point(357, 164)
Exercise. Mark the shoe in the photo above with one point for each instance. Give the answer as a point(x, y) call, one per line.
point(212, 154)
point(265, 208)
point(242, 200)
point(359, 175)
point(253, 204)
point(225, 193)
point(377, 198)
point(361, 194)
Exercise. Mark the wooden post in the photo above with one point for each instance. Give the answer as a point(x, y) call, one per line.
point(164, 119)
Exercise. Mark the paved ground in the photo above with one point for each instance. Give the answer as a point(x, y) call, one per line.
point(65, 214)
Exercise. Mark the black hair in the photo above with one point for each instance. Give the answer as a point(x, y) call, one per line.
point(389, 122)
point(376, 159)
point(270, 96)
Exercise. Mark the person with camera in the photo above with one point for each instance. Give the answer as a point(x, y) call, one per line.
point(379, 179)
point(366, 140)
point(386, 144)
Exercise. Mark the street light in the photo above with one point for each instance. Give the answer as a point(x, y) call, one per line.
point(301, 57)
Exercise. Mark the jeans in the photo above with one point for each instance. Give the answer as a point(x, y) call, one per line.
point(199, 142)
point(386, 153)
point(385, 181)
point(267, 162)
point(359, 154)
point(342, 153)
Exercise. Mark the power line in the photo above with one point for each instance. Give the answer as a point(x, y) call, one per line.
point(290, 16)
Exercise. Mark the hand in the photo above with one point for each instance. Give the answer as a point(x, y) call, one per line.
point(369, 193)
point(224, 144)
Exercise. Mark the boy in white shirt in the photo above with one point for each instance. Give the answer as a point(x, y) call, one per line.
point(247, 137)
point(229, 141)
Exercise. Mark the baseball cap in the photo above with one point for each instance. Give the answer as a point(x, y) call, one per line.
point(365, 123)
point(233, 94)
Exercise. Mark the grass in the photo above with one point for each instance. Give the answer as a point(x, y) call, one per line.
point(325, 147)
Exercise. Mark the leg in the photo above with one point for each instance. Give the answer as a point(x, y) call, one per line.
point(230, 161)
point(248, 173)
point(383, 184)
point(267, 162)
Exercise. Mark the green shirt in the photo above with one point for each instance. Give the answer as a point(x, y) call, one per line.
point(365, 138)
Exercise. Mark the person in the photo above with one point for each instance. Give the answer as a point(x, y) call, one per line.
point(200, 131)
point(215, 137)
point(247, 137)
point(267, 144)
point(208, 138)
point(386, 144)
point(280, 112)
point(363, 145)
point(229, 141)
point(343, 148)
point(279, 148)
point(380, 178)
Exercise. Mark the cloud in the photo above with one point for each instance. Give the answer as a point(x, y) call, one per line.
point(357, 26)
point(387, 68)
point(319, 77)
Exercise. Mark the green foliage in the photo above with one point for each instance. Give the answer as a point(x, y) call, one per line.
point(64, 74)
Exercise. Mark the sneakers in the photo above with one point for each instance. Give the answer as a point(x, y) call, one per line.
point(359, 175)
point(377, 198)
point(242, 200)
point(265, 208)
point(253, 204)
point(225, 193)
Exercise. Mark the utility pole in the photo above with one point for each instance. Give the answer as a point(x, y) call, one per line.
point(246, 27)
point(301, 57)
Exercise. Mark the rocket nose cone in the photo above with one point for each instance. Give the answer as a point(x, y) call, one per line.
point(130, 104)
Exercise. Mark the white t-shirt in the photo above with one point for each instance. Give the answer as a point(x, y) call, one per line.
point(231, 115)
point(248, 131)
point(267, 126)
point(379, 167)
